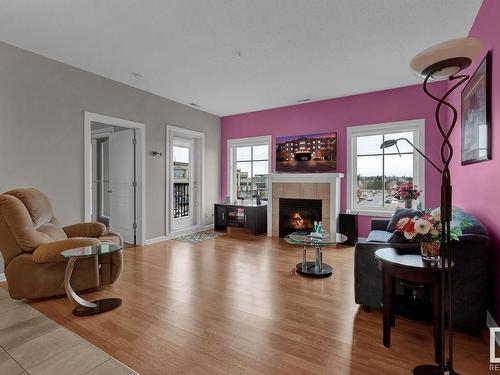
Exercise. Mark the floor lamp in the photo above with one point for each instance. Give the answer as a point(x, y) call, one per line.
point(443, 61)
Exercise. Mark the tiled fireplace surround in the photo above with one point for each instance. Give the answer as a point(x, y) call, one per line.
point(323, 186)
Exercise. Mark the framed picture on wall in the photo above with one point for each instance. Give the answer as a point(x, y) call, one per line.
point(476, 115)
point(306, 153)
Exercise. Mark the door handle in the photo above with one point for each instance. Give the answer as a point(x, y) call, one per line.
point(109, 191)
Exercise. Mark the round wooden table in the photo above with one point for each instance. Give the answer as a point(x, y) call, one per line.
point(399, 264)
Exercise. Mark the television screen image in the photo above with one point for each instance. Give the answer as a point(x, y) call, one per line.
point(307, 153)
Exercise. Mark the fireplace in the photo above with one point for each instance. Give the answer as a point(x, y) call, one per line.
point(298, 215)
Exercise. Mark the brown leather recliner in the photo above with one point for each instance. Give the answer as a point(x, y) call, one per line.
point(31, 240)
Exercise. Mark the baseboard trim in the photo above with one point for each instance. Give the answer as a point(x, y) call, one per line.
point(491, 323)
point(2, 277)
point(156, 240)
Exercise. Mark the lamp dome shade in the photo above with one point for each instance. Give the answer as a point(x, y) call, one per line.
point(446, 59)
point(389, 143)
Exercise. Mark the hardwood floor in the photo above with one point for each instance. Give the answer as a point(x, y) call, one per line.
point(233, 305)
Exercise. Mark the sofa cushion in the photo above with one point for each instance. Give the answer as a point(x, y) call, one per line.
point(36, 203)
point(399, 214)
point(379, 236)
point(18, 223)
point(398, 237)
point(55, 232)
point(474, 225)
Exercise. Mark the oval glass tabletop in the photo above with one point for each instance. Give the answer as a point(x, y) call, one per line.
point(88, 251)
point(305, 238)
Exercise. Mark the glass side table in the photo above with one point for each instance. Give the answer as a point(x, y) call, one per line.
point(83, 307)
point(316, 268)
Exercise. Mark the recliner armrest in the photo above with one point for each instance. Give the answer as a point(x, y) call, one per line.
point(51, 252)
point(379, 224)
point(85, 230)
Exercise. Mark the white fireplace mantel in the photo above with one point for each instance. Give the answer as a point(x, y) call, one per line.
point(331, 178)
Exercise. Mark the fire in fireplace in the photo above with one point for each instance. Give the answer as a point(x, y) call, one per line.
point(298, 215)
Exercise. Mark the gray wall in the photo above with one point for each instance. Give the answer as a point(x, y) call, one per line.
point(41, 132)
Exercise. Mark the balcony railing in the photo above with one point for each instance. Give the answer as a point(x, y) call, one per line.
point(181, 200)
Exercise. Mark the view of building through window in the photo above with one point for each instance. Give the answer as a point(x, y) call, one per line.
point(251, 168)
point(380, 171)
point(181, 181)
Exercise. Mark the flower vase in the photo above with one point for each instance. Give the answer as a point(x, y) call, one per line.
point(408, 203)
point(429, 250)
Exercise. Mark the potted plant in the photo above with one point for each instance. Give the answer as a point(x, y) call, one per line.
point(407, 192)
point(427, 230)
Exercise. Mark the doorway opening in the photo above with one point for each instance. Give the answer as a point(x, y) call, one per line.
point(184, 180)
point(114, 175)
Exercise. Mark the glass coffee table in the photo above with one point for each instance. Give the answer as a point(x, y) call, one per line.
point(316, 268)
point(83, 307)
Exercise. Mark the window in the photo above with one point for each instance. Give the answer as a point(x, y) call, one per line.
point(249, 164)
point(374, 173)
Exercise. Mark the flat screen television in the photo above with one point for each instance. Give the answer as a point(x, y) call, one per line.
point(307, 153)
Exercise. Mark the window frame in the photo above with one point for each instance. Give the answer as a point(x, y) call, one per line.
point(232, 144)
point(416, 126)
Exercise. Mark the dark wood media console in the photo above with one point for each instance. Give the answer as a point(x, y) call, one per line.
point(253, 217)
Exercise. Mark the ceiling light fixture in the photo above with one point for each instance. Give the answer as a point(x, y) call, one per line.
point(446, 59)
point(303, 100)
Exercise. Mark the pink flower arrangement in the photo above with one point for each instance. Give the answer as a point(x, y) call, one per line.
point(424, 228)
point(407, 191)
point(427, 230)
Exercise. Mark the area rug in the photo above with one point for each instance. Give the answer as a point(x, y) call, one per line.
point(199, 236)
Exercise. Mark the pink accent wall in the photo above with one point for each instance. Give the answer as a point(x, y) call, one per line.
point(335, 115)
point(476, 186)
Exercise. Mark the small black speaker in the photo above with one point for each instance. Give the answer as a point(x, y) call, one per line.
point(348, 225)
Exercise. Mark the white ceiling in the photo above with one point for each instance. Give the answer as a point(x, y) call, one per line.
point(187, 50)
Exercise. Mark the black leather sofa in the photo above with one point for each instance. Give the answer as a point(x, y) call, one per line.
point(470, 277)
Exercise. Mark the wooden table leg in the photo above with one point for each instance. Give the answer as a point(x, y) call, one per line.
point(387, 300)
point(436, 298)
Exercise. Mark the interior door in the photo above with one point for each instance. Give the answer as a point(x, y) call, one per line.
point(122, 184)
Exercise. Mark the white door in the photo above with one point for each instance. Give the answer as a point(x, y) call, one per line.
point(185, 171)
point(122, 177)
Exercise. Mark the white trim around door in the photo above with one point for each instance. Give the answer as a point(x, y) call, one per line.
point(140, 165)
point(170, 134)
